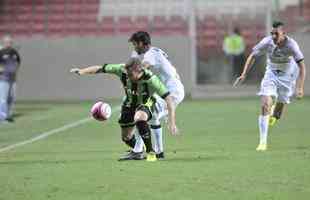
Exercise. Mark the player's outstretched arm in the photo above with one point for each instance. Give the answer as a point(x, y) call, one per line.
point(171, 115)
point(301, 80)
point(87, 70)
point(249, 62)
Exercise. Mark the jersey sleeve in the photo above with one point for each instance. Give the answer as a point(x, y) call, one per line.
point(116, 69)
point(297, 54)
point(158, 87)
point(261, 48)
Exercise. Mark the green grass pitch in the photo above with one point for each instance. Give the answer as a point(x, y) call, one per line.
point(213, 158)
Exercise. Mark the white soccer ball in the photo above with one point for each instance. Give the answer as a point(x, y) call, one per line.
point(101, 111)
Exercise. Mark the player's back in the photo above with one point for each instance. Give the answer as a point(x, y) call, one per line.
point(160, 65)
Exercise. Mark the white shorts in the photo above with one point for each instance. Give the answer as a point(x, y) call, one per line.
point(177, 93)
point(278, 84)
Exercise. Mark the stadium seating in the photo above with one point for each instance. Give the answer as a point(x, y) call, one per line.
point(82, 18)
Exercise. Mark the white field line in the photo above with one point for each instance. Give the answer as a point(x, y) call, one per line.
point(49, 133)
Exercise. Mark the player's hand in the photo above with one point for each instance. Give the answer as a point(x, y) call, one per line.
point(173, 129)
point(239, 80)
point(299, 93)
point(75, 70)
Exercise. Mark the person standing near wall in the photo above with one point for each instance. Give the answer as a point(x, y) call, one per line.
point(9, 65)
point(234, 48)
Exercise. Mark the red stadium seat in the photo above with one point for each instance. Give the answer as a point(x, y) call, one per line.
point(22, 29)
point(56, 8)
point(177, 25)
point(73, 8)
point(23, 9)
point(38, 28)
point(159, 25)
point(56, 29)
point(124, 25)
point(107, 26)
point(141, 23)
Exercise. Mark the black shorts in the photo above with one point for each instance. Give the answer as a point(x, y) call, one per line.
point(128, 113)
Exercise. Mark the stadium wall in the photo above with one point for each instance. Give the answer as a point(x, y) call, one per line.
point(44, 73)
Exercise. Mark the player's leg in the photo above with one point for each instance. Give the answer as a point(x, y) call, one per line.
point(11, 101)
point(263, 120)
point(160, 111)
point(276, 113)
point(127, 132)
point(267, 90)
point(285, 91)
point(142, 116)
point(139, 146)
point(127, 124)
point(177, 93)
point(126, 120)
point(127, 135)
point(4, 92)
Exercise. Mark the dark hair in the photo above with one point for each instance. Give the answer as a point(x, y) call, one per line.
point(237, 31)
point(141, 36)
point(277, 24)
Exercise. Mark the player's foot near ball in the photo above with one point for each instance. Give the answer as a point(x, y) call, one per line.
point(132, 156)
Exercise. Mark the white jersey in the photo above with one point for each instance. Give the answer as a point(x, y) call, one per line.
point(281, 70)
point(161, 66)
point(282, 58)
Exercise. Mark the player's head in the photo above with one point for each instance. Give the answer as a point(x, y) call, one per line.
point(134, 69)
point(141, 41)
point(7, 41)
point(277, 32)
point(237, 31)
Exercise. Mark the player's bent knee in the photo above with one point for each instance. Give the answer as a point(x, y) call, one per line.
point(140, 116)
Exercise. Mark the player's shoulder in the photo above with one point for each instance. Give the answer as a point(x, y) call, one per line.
point(154, 50)
point(267, 39)
point(291, 41)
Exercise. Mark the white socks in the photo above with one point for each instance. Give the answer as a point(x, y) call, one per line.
point(263, 123)
point(157, 141)
point(139, 143)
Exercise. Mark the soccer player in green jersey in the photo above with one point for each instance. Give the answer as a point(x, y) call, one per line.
point(140, 85)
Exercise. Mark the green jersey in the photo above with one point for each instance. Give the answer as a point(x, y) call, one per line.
point(140, 92)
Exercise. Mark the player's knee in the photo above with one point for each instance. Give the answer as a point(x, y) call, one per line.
point(140, 116)
point(266, 108)
point(143, 128)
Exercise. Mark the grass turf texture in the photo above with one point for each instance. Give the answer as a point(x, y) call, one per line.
point(214, 158)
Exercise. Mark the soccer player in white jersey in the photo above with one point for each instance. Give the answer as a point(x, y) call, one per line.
point(157, 61)
point(284, 59)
